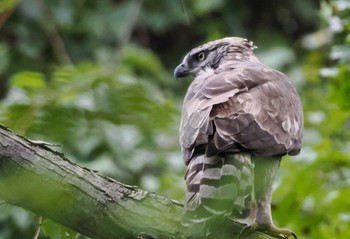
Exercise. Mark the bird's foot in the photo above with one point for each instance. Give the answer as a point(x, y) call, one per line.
point(269, 229)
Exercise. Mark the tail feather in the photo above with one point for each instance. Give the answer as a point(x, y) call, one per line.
point(218, 185)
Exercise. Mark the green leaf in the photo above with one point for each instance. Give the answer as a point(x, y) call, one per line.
point(57, 231)
point(8, 4)
point(28, 79)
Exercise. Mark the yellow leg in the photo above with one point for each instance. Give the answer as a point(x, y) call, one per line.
point(269, 229)
point(263, 222)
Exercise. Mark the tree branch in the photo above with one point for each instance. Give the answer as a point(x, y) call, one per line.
point(41, 180)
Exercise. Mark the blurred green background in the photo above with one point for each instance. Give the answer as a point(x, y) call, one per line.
point(96, 78)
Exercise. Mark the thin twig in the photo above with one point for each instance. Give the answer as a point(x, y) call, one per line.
point(133, 14)
point(37, 233)
point(185, 12)
point(54, 37)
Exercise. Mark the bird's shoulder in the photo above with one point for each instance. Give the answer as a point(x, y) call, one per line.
point(241, 76)
point(213, 86)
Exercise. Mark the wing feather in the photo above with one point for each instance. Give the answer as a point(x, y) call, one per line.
point(242, 109)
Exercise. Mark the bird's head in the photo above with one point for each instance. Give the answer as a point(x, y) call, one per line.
point(211, 54)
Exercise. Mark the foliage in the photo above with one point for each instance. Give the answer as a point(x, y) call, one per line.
point(318, 207)
point(110, 115)
point(95, 77)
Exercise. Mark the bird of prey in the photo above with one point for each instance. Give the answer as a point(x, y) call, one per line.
point(239, 118)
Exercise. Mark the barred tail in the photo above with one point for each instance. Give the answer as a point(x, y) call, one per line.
point(218, 185)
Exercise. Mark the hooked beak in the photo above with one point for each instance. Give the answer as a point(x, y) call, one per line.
point(181, 71)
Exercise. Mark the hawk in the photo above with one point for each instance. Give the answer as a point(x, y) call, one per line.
point(239, 118)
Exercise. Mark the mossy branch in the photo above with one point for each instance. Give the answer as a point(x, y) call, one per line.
point(39, 179)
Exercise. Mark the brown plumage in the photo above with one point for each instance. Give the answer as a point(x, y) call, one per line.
point(239, 118)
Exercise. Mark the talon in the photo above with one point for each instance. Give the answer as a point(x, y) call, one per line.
point(294, 235)
point(245, 229)
point(279, 231)
point(285, 233)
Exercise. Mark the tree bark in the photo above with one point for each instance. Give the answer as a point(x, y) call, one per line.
point(41, 180)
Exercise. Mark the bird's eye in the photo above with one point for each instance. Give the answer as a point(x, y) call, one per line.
point(201, 56)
